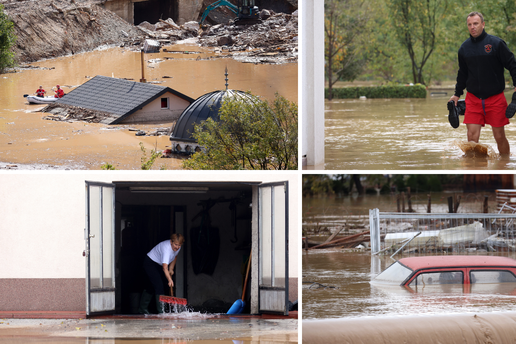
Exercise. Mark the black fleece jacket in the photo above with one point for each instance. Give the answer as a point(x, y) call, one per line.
point(481, 66)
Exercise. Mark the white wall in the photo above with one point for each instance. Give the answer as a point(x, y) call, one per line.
point(42, 216)
point(153, 111)
point(311, 81)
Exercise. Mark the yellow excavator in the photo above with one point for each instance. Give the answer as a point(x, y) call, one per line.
point(246, 10)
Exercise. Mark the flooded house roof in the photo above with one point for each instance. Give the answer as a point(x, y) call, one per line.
point(204, 107)
point(118, 97)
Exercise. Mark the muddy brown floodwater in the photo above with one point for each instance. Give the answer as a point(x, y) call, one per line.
point(28, 140)
point(349, 293)
point(401, 134)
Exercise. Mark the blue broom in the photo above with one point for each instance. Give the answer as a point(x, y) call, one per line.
point(239, 305)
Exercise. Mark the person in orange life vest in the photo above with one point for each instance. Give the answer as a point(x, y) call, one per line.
point(40, 92)
point(59, 92)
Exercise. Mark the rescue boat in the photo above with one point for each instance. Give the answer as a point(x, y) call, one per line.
point(41, 100)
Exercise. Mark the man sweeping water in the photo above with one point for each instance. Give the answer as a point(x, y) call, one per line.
point(482, 59)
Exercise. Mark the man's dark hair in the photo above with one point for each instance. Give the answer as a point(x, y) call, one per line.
point(472, 14)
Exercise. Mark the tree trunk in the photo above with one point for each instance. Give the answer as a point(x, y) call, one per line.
point(360, 188)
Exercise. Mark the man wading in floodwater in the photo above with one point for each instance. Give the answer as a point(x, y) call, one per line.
point(482, 59)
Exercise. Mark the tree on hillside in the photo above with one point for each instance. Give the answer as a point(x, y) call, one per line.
point(344, 23)
point(249, 136)
point(416, 24)
point(7, 40)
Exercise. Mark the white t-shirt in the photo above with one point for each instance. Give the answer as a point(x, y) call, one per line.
point(163, 253)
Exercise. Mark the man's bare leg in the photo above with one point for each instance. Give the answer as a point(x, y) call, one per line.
point(501, 141)
point(474, 132)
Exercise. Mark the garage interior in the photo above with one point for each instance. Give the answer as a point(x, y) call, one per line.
point(215, 219)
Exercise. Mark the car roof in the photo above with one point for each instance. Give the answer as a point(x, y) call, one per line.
point(416, 263)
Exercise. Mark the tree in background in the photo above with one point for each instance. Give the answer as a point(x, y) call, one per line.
point(7, 40)
point(416, 24)
point(330, 184)
point(315, 184)
point(249, 136)
point(344, 24)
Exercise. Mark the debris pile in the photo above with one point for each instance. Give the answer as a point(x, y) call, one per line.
point(68, 113)
point(275, 36)
point(346, 242)
point(274, 39)
point(166, 31)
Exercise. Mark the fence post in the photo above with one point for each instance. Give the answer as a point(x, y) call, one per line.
point(374, 228)
point(450, 205)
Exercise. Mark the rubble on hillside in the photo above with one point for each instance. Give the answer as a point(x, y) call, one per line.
point(274, 39)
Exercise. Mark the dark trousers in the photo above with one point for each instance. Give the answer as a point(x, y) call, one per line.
point(156, 279)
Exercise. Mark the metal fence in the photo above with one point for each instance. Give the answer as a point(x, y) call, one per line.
point(414, 234)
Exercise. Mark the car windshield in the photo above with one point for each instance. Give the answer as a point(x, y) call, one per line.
point(394, 274)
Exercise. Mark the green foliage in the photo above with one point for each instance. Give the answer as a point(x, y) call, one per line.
point(344, 26)
point(107, 166)
point(249, 136)
point(417, 41)
point(314, 184)
point(148, 162)
point(7, 41)
point(416, 25)
point(424, 183)
point(417, 91)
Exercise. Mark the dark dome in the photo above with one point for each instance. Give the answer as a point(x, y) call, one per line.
point(204, 107)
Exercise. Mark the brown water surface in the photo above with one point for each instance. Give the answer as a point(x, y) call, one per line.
point(402, 134)
point(27, 139)
point(348, 293)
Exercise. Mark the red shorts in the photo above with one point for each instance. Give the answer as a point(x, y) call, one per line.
point(486, 111)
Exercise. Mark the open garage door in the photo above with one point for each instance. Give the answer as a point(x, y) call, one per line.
point(273, 248)
point(100, 248)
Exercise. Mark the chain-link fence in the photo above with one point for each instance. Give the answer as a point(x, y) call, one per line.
point(422, 234)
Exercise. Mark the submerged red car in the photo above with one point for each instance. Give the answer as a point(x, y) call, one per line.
point(435, 270)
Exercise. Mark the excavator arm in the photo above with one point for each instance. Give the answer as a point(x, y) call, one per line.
point(215, 5)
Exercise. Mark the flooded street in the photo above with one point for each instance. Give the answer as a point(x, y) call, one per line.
point(27, 139)
point(400, 134)
point(149, 331)
point(350, 295)
point(340, 305)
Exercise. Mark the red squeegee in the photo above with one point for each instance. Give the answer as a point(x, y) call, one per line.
point(171, 299)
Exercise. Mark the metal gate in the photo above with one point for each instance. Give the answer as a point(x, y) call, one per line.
point(273, 247)
point(100, 247)
point(422, 234)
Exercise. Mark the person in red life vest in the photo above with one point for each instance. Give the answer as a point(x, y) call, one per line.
point(59, 92)
point(40, 92)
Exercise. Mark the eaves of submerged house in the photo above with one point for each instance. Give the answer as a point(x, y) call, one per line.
point(127, 101)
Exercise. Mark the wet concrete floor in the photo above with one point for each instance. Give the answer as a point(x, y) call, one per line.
point(150, 330)
point(33, 143)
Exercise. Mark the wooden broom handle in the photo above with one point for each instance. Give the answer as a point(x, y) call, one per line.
point(247, 275)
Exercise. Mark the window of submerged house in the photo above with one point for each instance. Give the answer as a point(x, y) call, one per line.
point(164, 103)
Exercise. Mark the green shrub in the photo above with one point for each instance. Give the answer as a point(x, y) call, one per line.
point(398, 91)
